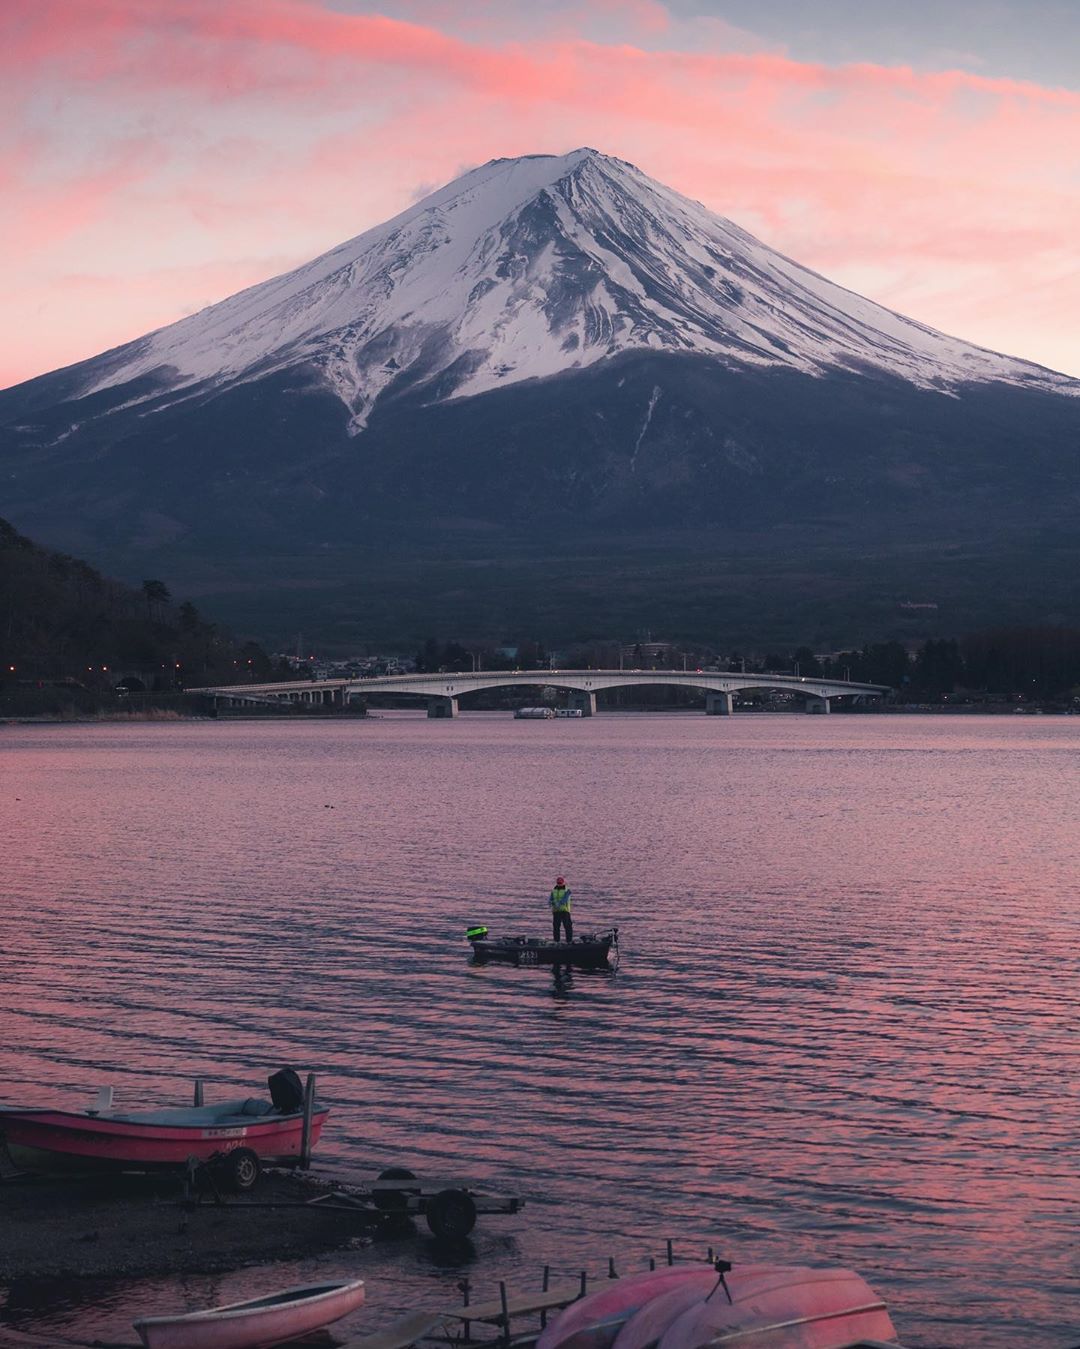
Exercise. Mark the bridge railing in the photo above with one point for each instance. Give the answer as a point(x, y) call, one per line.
point(470, 681)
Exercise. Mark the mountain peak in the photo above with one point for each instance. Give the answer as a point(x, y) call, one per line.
point(536, 266)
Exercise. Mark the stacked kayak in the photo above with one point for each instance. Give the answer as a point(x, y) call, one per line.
point(749, 1307)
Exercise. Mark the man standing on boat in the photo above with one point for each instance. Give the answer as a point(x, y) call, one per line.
point(559, 899)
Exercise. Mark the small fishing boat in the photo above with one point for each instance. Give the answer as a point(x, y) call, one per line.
point(241, 1134)
point(256, 1323)
point(589, 952)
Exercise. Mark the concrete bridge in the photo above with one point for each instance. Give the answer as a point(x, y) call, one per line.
point(442, 691)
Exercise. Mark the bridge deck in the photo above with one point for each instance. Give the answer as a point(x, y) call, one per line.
point(453, 685)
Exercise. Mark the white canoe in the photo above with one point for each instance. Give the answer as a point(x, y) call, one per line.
point(255, 1323)
point(784, 1308)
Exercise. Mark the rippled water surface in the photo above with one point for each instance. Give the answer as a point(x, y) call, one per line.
point(844, 1028)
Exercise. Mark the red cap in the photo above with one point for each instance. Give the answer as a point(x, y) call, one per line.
point(559, 880)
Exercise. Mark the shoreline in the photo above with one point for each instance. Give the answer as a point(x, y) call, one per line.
point(88, 1228)
point(896, 709)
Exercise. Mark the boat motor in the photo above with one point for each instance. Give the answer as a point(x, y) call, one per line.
point(286, 1091)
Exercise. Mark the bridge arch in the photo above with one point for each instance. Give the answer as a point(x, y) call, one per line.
point(442, 690)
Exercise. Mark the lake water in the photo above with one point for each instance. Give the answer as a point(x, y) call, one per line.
point(844, 1029)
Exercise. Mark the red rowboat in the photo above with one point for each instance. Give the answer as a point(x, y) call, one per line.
point(251, 1325)
point(245, 1132)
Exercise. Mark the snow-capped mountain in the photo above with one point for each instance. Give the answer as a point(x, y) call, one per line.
point(526, 268)
point(557, 387)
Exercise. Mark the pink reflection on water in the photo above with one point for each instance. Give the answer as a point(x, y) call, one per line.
point(843, 1030)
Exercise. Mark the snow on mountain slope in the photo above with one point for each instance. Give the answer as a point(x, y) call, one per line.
point(528, 267)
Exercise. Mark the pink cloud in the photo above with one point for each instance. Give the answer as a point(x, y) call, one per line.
point(219, 122)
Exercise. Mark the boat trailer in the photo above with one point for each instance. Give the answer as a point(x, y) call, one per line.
point(449, 1206)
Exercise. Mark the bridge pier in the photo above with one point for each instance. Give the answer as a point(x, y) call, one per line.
point(583, 700)
point(817, 705)
point(442, 707)
point(719, 704)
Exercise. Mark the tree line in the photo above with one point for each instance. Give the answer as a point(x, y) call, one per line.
point(1037, 663)
point(61, 621)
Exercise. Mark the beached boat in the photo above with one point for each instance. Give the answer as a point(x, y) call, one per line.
point(594, 1321)
point(644, 1328)
point(258, 1322)
point(751, 1307)
point(241, 1134)
point(589, 952)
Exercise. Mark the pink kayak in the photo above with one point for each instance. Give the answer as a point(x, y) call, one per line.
point(784, 1308)
point(595, 1320)
point(254, 1324)
point(648, 1324)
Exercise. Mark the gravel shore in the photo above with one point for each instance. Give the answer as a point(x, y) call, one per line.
point(135, 1226)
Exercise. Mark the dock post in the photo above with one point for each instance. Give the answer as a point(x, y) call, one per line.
point(505, 1311)
point(710, 1255)
point(584, 1282)
point(547, 1285)
point(611, 1267)
point(309, 1110)
point(670, 1252)
point(198, 1091)
point(652, 1262)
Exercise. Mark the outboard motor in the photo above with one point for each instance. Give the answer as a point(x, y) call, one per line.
point(286, 1091)
point(475, 934)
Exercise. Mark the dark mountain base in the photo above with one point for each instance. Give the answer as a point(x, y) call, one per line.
point(655, 492)
point(827, 598)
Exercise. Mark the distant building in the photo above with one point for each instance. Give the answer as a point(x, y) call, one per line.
point(650, 655)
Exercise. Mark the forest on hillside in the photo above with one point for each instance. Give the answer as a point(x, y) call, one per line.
point(71, 637)
point(67, 628)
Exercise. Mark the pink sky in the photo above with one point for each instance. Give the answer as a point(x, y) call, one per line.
point(158, 155)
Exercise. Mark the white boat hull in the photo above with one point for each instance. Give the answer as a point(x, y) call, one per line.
point(256, 1323)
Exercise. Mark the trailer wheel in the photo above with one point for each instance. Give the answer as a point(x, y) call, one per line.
point(242, 1169)
point(394, 1201)
point(451, 1215)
